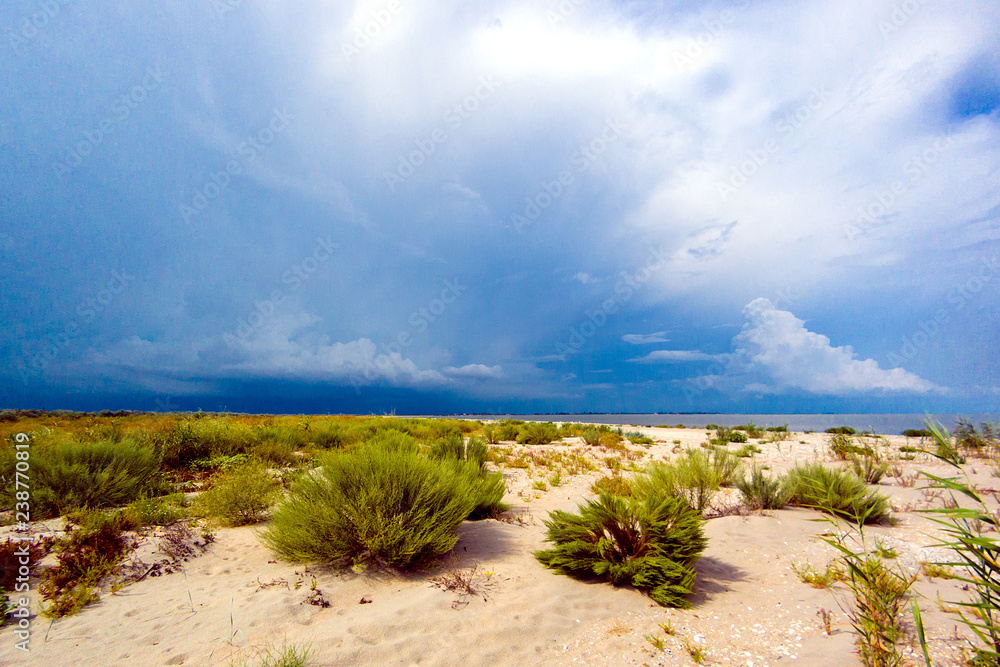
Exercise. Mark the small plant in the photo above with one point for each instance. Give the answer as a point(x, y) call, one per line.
point(668, 628)
point(157, 511)
point(538, 433)
point(868, 468)
point(695, 477)
point(656, 642)
point(591, 436)
point(761, 492)
point(746, 451)
point(826, 619)
point(491, 434)
point(697, 653)
point(937, 571)
point(836, 492)
point(840, 430)
point(650, 542)
point(85, 557)
point(885, 552)
point(540, 485)
point(240, 496)
point(831, 575)
point(555, 480)
point(614, 485)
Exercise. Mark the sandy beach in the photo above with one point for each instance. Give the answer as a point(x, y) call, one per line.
point(230, 599)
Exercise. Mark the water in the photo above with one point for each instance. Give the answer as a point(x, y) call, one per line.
point(875, 423)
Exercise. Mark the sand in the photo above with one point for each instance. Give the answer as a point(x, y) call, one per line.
point(232, 600)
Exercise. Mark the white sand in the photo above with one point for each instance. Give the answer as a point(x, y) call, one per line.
point(749, 607)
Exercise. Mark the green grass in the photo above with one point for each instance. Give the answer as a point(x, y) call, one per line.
point(66, 475)
point(239, 496)
point(694, 476)
point(90, 553)
point(614, 485)
point(649, 542)
point(383, 503)
point(836, 492)
point(833, 573)
point(761, 492)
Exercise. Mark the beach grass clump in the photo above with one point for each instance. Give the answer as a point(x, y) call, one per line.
point(538, 433)
point(455, 448)
point(762, 492)
point(381, 503)
point(158, 510)
point(648, 542)
point(836, 492)
point(90, 552)
point(510, 429)
point(239, 496)
point(69, 474)
point(694, 476)
point(968, 532)
point(869, 468)
point(591, 436)
point(613, 485)
point(807, 574)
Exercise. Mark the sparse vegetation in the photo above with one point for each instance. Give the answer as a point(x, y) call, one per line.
point(90, 553)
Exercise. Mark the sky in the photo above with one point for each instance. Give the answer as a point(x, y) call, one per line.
point(510, 207)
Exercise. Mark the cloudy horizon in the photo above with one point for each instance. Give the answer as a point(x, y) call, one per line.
point(741, 206)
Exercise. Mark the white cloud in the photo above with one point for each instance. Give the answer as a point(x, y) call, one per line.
point(642, 339)
point(672, 356)
point(286, 346)
point(585, 278)
point(777, 344)
point(474, 372)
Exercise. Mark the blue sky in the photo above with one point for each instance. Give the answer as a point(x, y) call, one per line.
point(743, 206)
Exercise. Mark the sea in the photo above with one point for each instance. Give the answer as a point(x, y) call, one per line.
point(884, 424)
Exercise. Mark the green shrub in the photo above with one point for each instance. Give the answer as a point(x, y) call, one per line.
point(239, 496)
point(69, 474)
point(841, 430)
point(836, 492)
point(761, 492)
point(692, 476)
point(726, 465)
point(746, 451)
point(614, 485)
point(916, 433)
point(509, 431)
point(842, 448)
point(456, 449)
point(650, 543)
point(157, 511)
point(751, 429)
point(382, 502)
point(868, 468)
point(737, 436)
point(538, 433)
point(89, 554)
point(591, 436)
point(492, 434)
